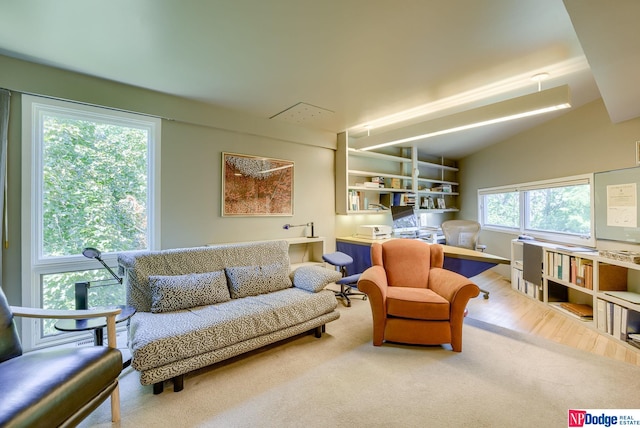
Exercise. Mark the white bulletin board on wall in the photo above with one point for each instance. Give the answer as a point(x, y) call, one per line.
point(616, 205)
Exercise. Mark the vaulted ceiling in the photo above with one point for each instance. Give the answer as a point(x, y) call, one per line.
point(341, 64)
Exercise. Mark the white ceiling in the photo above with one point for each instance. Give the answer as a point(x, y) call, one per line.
point(349, 62)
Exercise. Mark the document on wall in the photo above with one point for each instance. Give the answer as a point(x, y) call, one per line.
point(622, 205)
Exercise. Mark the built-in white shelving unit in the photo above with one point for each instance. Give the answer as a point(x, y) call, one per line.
point(574, 281)
point(414, 180)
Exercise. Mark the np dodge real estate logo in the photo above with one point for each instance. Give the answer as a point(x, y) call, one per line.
point(605, 418)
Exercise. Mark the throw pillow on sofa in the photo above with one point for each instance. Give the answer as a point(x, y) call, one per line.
point(253, 280)
point(314, 278)
point(172, 293)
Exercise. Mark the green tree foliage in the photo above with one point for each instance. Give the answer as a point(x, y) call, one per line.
point(503, 209)
point(564, 209)
point(94, 185)
point(560, 209)
point(94, 181)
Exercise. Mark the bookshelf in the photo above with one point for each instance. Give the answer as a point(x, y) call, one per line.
point(596, 289)
point(403, 178)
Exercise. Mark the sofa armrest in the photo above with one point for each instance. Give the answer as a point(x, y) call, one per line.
point(108, 313)
point(313, 278)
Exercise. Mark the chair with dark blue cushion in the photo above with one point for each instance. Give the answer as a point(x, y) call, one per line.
point(58, 387)
point(348, 283)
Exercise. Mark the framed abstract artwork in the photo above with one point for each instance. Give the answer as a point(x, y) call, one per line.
point(256, 186)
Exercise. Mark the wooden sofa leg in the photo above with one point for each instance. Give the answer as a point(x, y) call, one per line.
point(319, 331)
point(158, 388)
point(178, 383)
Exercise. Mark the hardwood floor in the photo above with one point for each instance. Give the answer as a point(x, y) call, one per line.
point(510, 309)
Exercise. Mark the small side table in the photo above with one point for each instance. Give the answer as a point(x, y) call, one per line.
point(97, 325)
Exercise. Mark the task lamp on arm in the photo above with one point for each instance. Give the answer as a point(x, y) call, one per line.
point(82, 288)
point(289, 226)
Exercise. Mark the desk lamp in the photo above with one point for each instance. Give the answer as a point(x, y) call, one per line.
point(289, 226)
point(82, 288)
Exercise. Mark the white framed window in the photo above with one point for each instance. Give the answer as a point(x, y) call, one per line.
point(559, 210)
point(90, 178)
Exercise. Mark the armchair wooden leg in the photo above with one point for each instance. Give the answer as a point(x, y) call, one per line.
point(115, 404)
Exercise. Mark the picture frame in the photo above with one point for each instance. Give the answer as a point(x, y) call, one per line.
point(256, 186)
point(427, 203)
point(637, 152)
point(441, 204)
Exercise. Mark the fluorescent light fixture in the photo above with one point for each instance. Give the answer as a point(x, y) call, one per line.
point(514, 83)
point(516, 108)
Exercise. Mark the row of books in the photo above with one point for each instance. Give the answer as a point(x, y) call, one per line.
point(617, 320)
point(579, 271)
point(358, 201)
point(576, 270)
point(525, 287)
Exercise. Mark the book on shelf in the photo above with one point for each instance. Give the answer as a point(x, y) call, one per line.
point(578, 309)
point(609, 317)
point(601, 315)
point(408, 198)
point(566, 267)
point(588, 276)
point(357, 201)
point(617, 321)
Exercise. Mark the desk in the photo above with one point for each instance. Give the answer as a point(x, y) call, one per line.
point(302, 250)
point(461, 260)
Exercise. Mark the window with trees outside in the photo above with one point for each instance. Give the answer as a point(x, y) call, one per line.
point(559, 210)
point(90, 179)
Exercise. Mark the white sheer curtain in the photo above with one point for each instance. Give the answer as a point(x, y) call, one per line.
point(4, 125)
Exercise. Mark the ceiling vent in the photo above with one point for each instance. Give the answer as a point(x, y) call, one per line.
point(306, 115)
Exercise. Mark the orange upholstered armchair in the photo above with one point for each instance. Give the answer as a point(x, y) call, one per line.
point(413, 299)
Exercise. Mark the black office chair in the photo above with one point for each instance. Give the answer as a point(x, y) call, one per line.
point(348, 283)
point(463, 234)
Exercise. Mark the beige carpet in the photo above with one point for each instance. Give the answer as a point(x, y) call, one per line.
point(501, 379)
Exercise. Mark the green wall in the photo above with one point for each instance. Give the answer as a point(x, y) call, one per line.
point(193, 137)
point(581, 141)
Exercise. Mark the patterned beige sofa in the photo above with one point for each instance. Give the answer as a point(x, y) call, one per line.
point(198, 306)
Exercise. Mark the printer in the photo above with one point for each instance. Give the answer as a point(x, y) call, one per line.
point(374, 231)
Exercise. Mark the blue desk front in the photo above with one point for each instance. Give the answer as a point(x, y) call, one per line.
point(463, 261)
